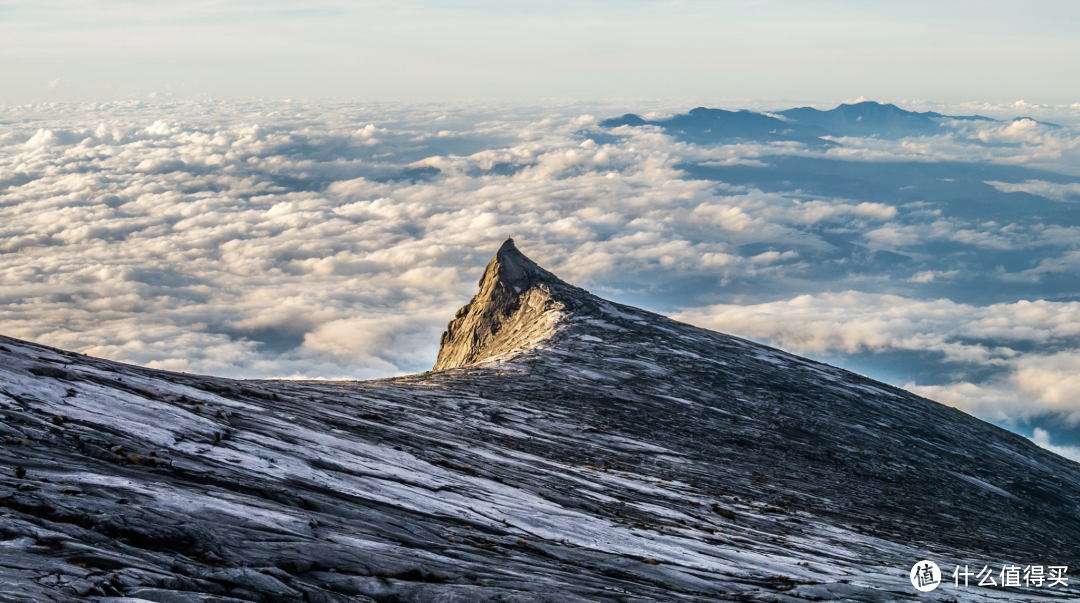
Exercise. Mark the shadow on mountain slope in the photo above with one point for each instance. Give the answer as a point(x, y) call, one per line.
point(570, 449)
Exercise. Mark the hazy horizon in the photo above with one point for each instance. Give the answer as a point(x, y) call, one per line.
point(689, 51)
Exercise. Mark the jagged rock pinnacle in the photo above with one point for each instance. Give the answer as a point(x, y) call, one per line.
point(514, 309)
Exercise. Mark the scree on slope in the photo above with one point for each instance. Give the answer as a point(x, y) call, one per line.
point(564, 449)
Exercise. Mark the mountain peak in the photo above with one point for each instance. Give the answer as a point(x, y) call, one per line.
point(512, 268)
point(711, 463)
point(517, 306)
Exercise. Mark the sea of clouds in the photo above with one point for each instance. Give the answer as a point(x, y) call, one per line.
point(297, 239)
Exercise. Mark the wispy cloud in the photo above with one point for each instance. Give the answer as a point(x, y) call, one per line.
point(1028, 347)
point(1042, 438)
point(1050, 190)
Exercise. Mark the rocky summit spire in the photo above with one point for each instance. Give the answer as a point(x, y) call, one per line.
point(514, 309)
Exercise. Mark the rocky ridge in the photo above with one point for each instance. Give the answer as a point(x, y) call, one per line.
point(514, 309)
point(570, 449)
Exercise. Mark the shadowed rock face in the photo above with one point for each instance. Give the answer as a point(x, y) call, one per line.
point(581, 450)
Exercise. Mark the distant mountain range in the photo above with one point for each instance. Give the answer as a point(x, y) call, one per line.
point(803, 124)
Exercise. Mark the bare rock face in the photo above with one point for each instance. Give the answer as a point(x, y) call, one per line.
point(518, 306)
point(580, 451)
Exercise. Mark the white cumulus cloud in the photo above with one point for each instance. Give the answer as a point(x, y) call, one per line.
point(335, 240)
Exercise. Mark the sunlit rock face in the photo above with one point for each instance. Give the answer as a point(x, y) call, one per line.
point(570, 449)
point(515, 309)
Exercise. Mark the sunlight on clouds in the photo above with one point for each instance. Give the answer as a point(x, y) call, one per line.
point(269, 239)
point(1050, 190)
point(1042, 438)
point(929, 276)
point(1053, 381)
point(1026, 390)
point(1030, 383)
point(853, 322)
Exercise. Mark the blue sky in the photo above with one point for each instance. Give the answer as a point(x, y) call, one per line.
point(690, 51)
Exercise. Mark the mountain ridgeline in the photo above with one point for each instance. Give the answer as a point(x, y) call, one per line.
point(565, 449)
point(804, 124)
point(515, 308)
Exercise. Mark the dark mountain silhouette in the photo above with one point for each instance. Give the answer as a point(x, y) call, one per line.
point(571, 449)
point(867, 119)
point(704, 125)
point(803, 124)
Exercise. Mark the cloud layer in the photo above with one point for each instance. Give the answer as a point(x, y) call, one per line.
point(294, 239)
point(1031, 344)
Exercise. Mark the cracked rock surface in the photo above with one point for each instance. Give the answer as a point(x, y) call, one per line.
point(569, 449)
point(519, 305)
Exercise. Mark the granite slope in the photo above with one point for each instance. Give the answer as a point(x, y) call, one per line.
point(570, 449)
